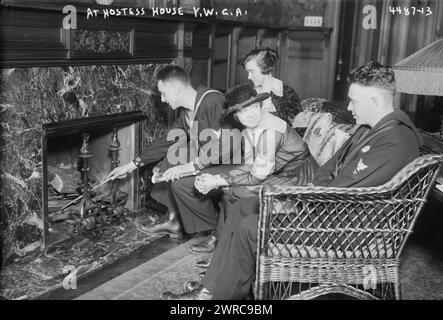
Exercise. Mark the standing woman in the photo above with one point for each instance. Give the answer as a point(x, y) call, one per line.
point(283, 102)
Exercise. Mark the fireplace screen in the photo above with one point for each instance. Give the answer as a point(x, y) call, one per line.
point(77, 156)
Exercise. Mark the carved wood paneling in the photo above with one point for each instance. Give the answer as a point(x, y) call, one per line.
point(98, 43)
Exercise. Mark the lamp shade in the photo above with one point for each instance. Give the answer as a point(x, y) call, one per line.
point(422, 72)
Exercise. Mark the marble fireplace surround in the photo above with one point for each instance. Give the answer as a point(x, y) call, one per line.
point(45, 78)
point(33, 97)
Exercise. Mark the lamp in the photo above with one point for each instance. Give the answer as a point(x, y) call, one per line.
point(422, 72)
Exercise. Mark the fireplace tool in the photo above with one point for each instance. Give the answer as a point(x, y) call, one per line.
point(87, 209)
point(116, 199)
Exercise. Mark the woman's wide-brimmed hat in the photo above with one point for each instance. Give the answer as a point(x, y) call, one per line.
point(241, 96)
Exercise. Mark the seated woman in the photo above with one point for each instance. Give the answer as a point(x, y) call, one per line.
point(283, 101)
point(277, 153)
point(273, 150)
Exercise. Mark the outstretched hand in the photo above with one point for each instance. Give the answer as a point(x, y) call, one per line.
point(122, 171)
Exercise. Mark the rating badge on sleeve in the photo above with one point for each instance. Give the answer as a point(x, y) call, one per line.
point(360, 167)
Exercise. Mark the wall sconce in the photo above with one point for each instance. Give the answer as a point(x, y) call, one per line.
point(104, 2)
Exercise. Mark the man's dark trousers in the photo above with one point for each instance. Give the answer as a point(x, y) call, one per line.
point(197, 211)
point(228, 278)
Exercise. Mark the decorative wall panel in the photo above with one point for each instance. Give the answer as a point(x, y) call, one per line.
point(97, 43)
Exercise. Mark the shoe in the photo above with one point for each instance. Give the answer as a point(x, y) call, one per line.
point(199, 293)
point(165, 226)
point(191, 286)
point(205, 246)
point(204, 263)
point(149, 219)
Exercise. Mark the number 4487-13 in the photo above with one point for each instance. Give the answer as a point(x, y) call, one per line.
point(410, 10)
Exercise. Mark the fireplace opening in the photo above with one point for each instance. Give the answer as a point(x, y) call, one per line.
point(77, 155)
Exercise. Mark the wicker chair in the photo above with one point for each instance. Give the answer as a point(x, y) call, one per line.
point(315, 240)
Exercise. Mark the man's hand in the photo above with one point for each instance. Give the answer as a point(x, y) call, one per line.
point(175, 172)
point(207, 182)
point(155, 170)
point(122, 171)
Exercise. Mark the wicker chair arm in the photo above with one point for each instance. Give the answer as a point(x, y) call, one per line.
point(315, 190)
point(311, 197)
point(398, 179)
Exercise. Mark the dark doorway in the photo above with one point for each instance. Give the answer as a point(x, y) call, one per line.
point(356, 44)
point(345, 48)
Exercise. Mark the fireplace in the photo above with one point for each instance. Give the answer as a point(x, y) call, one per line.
point(76, 156)
point(54, 91)
point(44, 113)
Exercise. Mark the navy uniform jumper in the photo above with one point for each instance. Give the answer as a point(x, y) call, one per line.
point(207, 116)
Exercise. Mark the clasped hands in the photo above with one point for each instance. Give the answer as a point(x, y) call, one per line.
point(207, 182)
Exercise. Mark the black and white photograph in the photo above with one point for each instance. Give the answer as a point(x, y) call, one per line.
point(240, 151)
